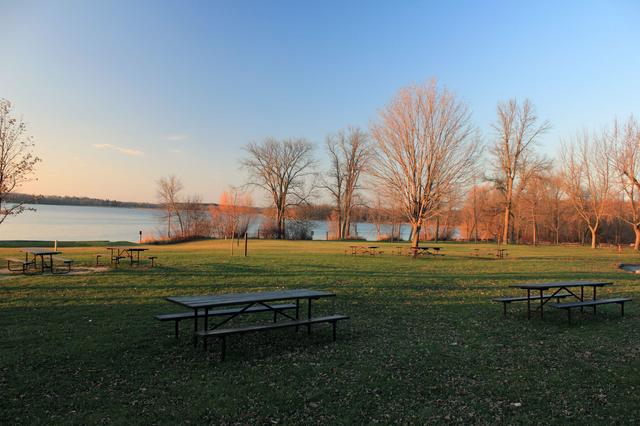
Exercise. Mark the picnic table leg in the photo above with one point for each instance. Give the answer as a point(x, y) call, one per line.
point(541, 305)
point(309, 315)
point(582, 298)
point(622, 309)
point(594, 298)
point(195, 328)
point(297, 312)
point(528, 304)
point(206, 326)
point(504, 309)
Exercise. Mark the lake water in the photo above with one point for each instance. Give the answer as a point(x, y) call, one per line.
point(83, 223)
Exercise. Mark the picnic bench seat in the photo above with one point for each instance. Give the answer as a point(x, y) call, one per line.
point(506, 300)
point(24, 264)
point(65, 261)
point(568, 306)
point(223, 332)
point(179, 316)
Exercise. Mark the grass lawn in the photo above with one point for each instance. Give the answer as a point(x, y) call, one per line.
point(424, 343)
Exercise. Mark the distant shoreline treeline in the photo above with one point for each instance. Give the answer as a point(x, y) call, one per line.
point(76, 201)
point(319, 211)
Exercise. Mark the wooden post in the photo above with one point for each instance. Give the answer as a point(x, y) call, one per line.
point(245, 244)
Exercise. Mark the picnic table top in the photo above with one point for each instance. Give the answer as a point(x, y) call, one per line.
point(40, 251)
point(561, 284)
point(208, 301)
point(128, 248)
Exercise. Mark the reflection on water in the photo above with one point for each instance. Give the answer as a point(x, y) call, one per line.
point(77, 223)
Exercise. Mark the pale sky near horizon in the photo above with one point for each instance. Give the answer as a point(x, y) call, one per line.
point(118, 94)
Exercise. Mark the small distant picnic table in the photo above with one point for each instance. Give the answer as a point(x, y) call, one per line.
point(561, 289)
point(501, 253)
point(41, 253)
point(133, 253)
point(426, 250)
point(372, 250)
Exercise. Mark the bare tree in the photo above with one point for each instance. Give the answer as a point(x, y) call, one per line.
point(195, 220)
point(626, 162)
point(587, 176)
point(281, 168)
point(517, 130)
point(17, 162)
point(233, 214)
point(425, 149)
point(169, 189)
point(349, 154)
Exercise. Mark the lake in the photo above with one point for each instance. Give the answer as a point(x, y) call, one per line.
point(87, 223)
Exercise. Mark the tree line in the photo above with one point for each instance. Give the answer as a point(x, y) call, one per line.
point(425, 163)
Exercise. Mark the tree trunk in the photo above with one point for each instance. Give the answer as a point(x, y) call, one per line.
point(415, 234)
point(594, 236)
point(636, 229)
point(505, 230)
point(437, 236)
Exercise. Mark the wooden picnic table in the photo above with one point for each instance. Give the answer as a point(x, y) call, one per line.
point(501, 253)
point(245, 301)
point(118, 253)
point(41, 253)
point(560, 289)
point(371, 250)
point(423, 250)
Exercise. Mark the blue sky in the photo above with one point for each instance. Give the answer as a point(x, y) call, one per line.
point(119, 93)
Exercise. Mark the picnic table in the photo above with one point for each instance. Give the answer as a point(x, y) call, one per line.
point(501, 253)
point(236, 304)
point(425, 250)
point(41, 253)
point(371, 250)
point(559, 289)
point(133, 253)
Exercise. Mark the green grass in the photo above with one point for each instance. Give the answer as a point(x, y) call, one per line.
point(424, 344)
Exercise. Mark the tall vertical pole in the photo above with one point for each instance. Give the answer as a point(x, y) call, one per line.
point(245, 244)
